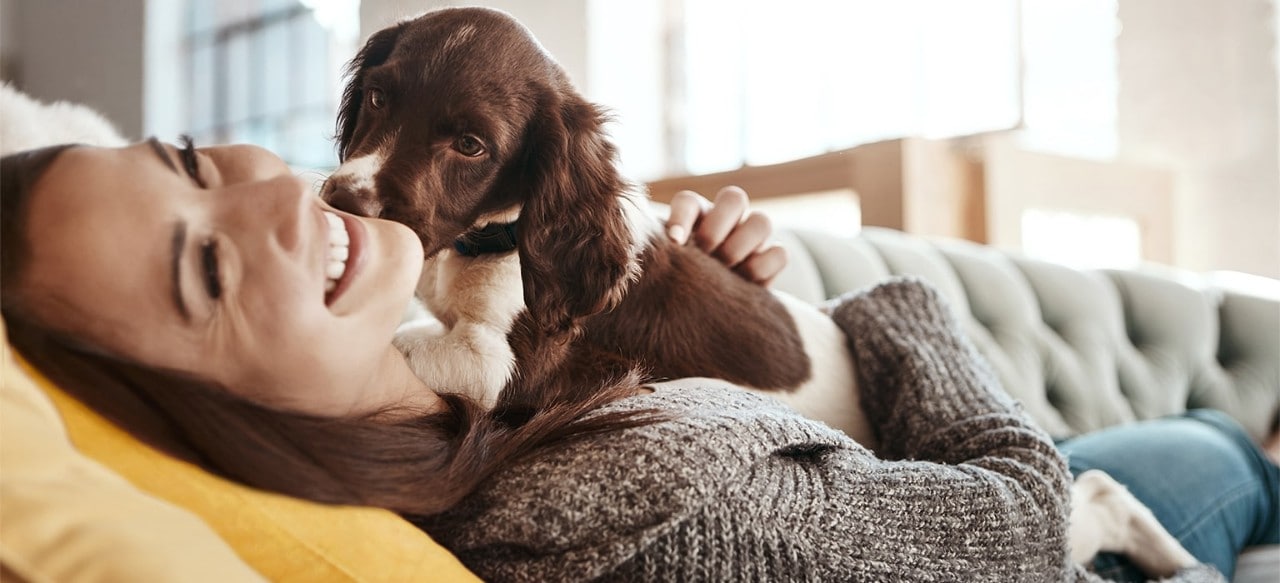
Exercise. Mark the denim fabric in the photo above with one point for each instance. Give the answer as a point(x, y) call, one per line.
point(1200, 474)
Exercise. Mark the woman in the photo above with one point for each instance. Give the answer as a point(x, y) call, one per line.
point(183, 293)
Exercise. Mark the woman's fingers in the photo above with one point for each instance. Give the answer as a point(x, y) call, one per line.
point(743, 240)
point(687, 207)
point(721, 219)
point(764, 266)
point(728, 231)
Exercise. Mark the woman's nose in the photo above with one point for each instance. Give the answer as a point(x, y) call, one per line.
point(284, 209)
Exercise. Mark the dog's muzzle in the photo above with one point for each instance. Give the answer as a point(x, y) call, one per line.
point(343, 197)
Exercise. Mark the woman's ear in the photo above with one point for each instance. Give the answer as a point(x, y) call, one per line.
point(575, 244)
point(374, 53)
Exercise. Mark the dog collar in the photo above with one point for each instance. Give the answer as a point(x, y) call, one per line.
point(491, 238)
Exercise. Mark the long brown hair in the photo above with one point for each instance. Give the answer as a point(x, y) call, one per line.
point(417, 465)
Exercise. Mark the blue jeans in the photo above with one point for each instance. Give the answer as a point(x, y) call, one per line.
point(1201, 476)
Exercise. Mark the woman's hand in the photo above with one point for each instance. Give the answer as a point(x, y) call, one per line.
point(726, 229)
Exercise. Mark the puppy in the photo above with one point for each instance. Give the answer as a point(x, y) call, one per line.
point(542, 262)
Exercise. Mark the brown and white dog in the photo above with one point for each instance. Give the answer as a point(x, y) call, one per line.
point(541, 260)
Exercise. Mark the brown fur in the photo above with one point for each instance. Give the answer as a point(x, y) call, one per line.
point(546, 149)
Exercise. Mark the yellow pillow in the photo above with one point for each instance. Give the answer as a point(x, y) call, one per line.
point(67, 518)
point(283, 538)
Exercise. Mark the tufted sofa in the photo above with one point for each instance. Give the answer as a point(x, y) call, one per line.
point(1082, 350)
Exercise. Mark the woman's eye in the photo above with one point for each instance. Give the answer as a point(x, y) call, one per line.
point(469, 146)
point(209, 263)
point(190, 162)
point(376, 99)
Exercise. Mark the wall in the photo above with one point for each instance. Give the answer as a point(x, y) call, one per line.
point(9, 38)
point(87, 51)
point(1198, 94)
point(561, 25)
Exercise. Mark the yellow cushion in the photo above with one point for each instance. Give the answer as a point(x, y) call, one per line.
point(283, 538)
point(66, 518)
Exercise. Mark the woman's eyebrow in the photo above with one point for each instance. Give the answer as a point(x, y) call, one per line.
point(162, 153)
point(179, 241)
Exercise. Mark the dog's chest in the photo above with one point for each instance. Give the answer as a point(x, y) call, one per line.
point(483, 290)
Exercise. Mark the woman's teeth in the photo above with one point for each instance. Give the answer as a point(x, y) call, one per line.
point(339, 241)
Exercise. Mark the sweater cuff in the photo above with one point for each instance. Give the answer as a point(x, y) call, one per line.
point(917, 373)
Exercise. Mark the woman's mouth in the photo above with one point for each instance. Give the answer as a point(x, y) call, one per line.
point(344, 250)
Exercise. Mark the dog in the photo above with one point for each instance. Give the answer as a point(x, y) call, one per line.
point(542, 261)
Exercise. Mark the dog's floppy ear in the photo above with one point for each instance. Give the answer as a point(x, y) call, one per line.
point(575, 244)
point(374, 52)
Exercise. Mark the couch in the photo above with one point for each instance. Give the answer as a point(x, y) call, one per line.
point(1080, 349)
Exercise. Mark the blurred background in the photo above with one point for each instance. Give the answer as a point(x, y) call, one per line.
point(1092, 132)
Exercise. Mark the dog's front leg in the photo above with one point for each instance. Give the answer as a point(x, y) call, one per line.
point(476, 300)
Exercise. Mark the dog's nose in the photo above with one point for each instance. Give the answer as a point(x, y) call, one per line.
point(347, 200)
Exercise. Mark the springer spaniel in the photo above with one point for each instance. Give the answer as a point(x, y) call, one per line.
point(542, 262)
point(543, 265)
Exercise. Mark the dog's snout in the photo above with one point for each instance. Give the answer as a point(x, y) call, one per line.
point(349, 200)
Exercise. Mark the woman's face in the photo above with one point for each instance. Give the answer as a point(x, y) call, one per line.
point(235, 272)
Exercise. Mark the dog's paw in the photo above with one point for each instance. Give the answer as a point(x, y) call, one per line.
point(1120, 523)
point(417, 335)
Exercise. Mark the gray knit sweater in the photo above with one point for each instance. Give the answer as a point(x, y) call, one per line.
point(734, 487)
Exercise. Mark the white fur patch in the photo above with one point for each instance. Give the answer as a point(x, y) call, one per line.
point(357, 173)
point(643, 226)
point(476, 301)
point(831, 394)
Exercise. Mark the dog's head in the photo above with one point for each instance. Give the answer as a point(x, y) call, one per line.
point(459, 118)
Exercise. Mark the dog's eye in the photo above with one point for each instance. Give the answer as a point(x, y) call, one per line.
point(376, 99)
point(469, 146)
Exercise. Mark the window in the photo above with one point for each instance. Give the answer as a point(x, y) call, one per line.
point(268, 72)
point(766, 82)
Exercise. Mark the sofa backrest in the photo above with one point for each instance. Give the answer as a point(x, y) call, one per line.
point(1081, 349)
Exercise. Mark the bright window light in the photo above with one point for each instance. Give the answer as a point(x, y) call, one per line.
point(268, 72)
point(767, 81)
point(1084, 241)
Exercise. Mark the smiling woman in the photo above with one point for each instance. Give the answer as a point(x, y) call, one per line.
point(273, 382)
point(239, 251)
point(242, 360)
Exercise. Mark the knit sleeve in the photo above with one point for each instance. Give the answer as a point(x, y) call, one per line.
point(927, 391)
point(814, 512)
point(984, 486)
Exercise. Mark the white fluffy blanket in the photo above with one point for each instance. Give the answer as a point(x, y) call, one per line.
point(26, 123)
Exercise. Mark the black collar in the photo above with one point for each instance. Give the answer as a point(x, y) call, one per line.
point(491, 238)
